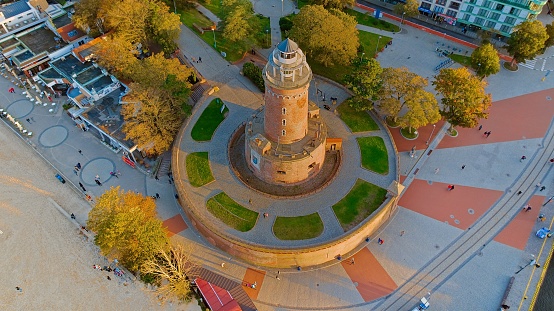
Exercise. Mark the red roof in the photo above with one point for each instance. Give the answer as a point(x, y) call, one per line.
point(217, 298)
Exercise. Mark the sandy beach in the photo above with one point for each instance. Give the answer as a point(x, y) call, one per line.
point(42, 251)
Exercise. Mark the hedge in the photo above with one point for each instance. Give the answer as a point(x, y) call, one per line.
point(254, 73)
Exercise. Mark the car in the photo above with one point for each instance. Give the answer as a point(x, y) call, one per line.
point(60, 178)
point(327, 107)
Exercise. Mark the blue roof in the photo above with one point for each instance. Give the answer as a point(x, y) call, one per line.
point(15, 8)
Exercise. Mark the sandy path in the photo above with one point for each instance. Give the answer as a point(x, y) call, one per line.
point(41, 250)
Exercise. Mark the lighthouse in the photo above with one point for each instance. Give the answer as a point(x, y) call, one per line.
point(285, 140)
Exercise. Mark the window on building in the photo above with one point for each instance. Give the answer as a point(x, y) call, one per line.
point(466, 17)
point(287, 55)
point(515, 11)
point(438, 9)
point(425, 5)
point(495, 16)
point(482, 12)
point(283, 133)
point(281, 172)
point(472, 1)
point(454, 5)
point(284, 110)
point(479, 21)
point(509, 20)
point(440, 2)
point(284, 122)
point(499, 7)
point(470, 8)
point(451, 13)
point(505, 29)
point(487, 4)
point(491, 24)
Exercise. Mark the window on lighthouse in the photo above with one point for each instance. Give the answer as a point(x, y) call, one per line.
point(284, 122)
point(283, 133)
point(284, 110)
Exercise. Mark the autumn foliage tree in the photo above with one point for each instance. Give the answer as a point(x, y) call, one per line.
point(527, 41)
point(240, 23)
point(127, 228)
point(333, 4)
point(403, 99)
point(365, 81)
point(464, 100)
point(485, 60)
point(172, 269)
point(328, 37)
point(409, 9)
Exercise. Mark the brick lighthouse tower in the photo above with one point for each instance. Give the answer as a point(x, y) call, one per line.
point(285, 140)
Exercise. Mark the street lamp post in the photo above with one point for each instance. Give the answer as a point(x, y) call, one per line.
point(427, 142)
point(215, 42)
point(282, 6)
point(362, 57)
point(175, 6)
point(379, 39)
point(402, 21)
point(532, 263)
point(267, 32)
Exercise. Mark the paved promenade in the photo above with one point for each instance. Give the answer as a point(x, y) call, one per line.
point(469, 241)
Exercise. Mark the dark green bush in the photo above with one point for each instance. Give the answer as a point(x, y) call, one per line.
point(285, 23)
point(254, 73)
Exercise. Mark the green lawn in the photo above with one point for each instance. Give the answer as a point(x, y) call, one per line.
point(234, 50)
point(367, 19)
point(231, 213)
point(368, 41)
point(461, 59)
point(208, 122)
point(362, 200)
point(198, 169)
point(374, 154)
point(357, 121)
point(298, 228)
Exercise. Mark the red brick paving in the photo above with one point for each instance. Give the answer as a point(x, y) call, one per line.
point(436, 202)
point(516, 234)
point(523, 117)
point(250, 277)
point(175, 225)
point(373, 281)
point(402, 144)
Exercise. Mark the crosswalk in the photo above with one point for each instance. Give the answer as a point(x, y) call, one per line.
point(529, 64)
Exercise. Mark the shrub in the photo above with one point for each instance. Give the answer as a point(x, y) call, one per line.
point(285, 23)
point(254, 73)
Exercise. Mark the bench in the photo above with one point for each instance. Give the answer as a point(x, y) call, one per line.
point(198, 28)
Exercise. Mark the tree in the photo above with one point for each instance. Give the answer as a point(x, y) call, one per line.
point(152, 121)
point(550, 32)
point(153, 71)
point(127, 18)
point(365, 81)
point(86, 17)
point(399, 85)
point(464, 101)
point(172, 268)
point(422, 109)
point(240, 23)
point(118, 56)
point(527, 41)
point(410, 8)
point(485, 60)
point(126, 227)
point(164, 27)
point(328, 37)
point(333, 4)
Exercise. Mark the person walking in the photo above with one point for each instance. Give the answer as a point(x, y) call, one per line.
point(542, 188)
point(522, 158)
point(480, 127)
point(437, 170)
point(157, 195)
point(82, 187)
point(488, 134)
point(80, 152)
point(463, 166)
point(527, 208)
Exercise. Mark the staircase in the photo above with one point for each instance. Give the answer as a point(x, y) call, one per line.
point(165, 165)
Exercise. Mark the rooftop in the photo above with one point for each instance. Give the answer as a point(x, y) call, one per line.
point(62, 21)
point(88, 75)
point(50, 74)
point(24, 56)
point(106, 114)
point(70, 65)
point(11, 41)
point(70, 33)
point(287, 46)
point(84, 51)
point(15, 8)
point(41, 40)
point(100, 84)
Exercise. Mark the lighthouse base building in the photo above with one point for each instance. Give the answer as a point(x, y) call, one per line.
point(285, 140)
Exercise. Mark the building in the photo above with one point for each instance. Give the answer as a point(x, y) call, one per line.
point(285, 141)
point(498, 16)
point(20, 15)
